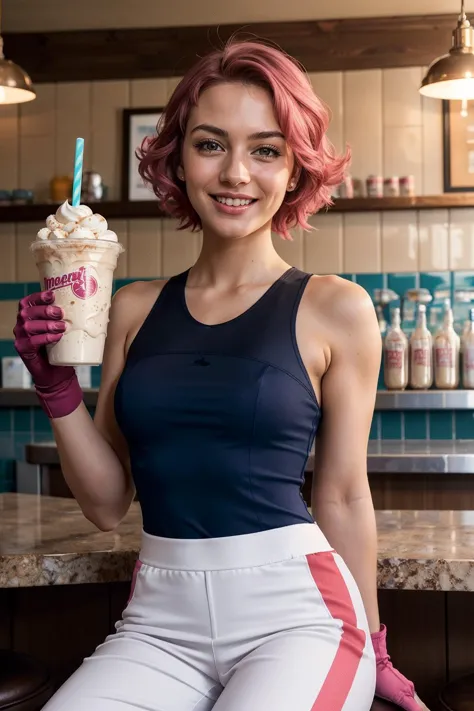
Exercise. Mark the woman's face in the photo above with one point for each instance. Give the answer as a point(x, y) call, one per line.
point(235, 159)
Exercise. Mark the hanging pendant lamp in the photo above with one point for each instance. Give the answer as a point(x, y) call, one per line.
point(15, 85)
point(452, 75)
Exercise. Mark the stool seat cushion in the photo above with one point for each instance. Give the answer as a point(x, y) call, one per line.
point(22, 678)
point(458, 695)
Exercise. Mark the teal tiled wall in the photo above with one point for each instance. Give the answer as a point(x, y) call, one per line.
point(21, 425)
point(438, 424)
point(18, 427)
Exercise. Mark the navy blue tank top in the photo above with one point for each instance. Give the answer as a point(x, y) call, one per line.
point(219, 419)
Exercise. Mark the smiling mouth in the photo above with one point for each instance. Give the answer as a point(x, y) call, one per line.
point(233, 202)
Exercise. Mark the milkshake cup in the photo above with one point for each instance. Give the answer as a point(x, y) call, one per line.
point(76, 255)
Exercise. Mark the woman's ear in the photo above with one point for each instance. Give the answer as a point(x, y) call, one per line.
point(294, 181)
point(180, 172)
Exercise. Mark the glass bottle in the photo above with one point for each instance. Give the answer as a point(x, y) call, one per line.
point(421, 361)
point(468, 353)
point(446, 352)
point(395, 349)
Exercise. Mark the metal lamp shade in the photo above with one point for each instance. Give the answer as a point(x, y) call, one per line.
point(450, 77)
point(15, 85)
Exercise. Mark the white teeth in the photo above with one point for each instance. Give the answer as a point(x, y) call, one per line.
point(232, 202)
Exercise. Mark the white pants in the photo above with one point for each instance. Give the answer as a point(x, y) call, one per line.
point(270, 621)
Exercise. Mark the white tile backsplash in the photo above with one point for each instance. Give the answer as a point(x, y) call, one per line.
point(401, 98)
point(432, 162)
point(9, 147)
point(8, 242)
point(461, 239)
point(171, 84)
point(26, 269)
point(9, 121)
point(329, 87)
point(120, 227)
point(9, 163)
point(323, 246)
point(362, 99)
point(145, 248)
point(180, 248)
point(73, 120)
point(38, 117)
point(292, 251)
point(434, 240)
point(147, 93)
point(109, 98)
point(37, 160)
point(403, 153)
point(400, 241)
point(362, 243)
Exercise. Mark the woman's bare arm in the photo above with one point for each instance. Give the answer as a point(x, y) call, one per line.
point(341, 498)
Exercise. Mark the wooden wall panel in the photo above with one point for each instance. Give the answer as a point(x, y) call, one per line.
point(5, 619)
point(423, 491)
point(416, 639)
point(460, 629)
point(326, 45)
point(454, 492)
point(60, 625)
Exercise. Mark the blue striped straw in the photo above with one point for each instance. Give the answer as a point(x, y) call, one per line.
point(77, 181)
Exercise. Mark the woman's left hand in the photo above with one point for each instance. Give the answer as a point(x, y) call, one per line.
point(391, 685)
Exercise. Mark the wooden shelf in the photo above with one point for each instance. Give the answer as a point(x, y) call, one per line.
point(418, 202)
point(149, 208)
point(119, 210)
point(27, 397)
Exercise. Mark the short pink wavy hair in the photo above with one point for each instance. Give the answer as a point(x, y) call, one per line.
point(302, 117)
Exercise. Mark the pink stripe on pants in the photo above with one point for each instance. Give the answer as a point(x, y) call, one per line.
point(335, 594)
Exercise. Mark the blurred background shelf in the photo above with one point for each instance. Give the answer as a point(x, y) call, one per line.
point(149, 208)
point(120, 210)
point(425, 400)
point(417, 202)
point(23, 397)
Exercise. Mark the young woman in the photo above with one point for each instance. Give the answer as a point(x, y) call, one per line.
point(214, 383)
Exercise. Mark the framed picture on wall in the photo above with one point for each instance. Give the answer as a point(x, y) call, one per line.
point(137, 125)
point(458, 147)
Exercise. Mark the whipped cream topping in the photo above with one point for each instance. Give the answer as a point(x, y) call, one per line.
point(76, 223)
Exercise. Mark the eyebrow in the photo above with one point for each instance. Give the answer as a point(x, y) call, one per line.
point(225, 134)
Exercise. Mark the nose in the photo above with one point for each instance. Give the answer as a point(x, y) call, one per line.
point(234, 171)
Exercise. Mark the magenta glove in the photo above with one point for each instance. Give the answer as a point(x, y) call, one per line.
point(38, 323)
point(391, 685)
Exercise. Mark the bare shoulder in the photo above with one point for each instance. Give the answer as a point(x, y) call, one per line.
point(341, 303)
point(132, 303)
point(132, 299)
point(137, 292)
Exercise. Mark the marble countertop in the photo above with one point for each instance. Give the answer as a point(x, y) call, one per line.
point(383, 456)
point(47, 541)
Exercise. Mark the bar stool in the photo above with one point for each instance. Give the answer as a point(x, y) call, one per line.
point(458, 695)
point(25, 683)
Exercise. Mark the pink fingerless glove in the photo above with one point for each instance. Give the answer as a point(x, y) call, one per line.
point(38, 324)
point(391, 685)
